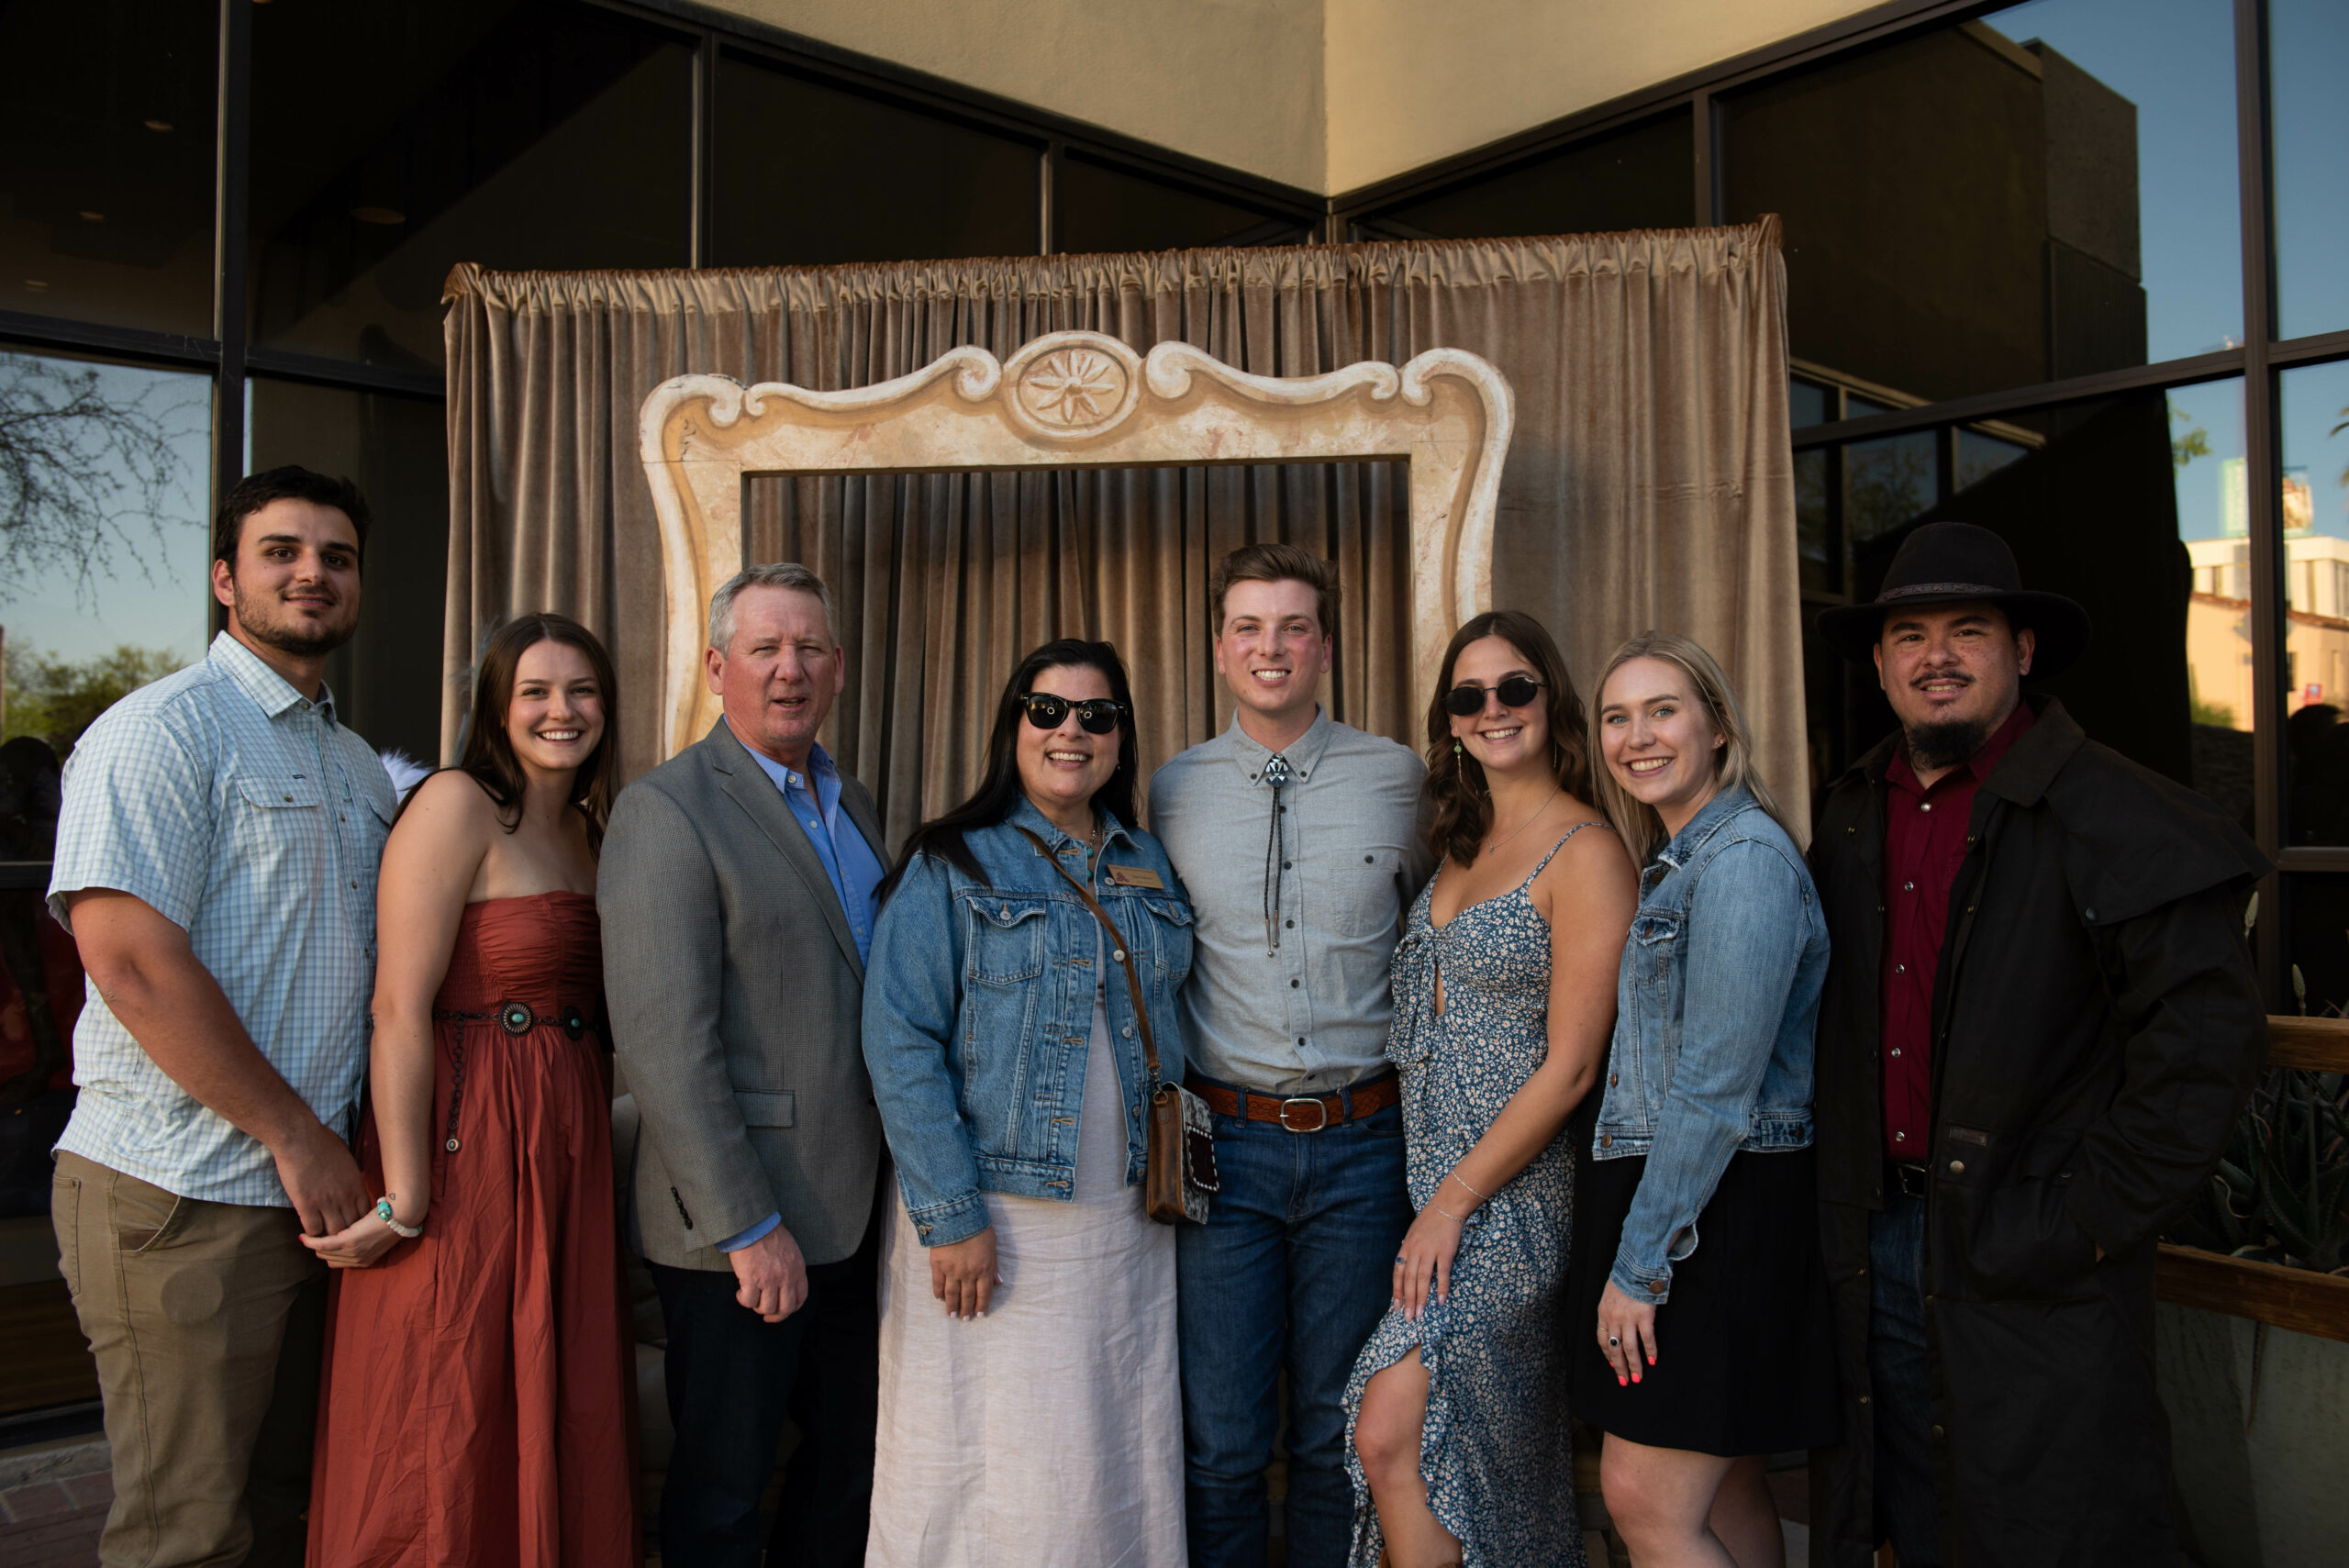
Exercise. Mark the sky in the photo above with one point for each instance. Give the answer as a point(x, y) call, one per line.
point(164, 605)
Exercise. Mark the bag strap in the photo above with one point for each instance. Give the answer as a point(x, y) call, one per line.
point(1118, 944)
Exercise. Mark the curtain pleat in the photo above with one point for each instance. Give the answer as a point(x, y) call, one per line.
point(1649, 483)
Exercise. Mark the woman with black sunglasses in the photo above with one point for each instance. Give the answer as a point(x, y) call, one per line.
point(1504, 1000)
point(1018, 1014)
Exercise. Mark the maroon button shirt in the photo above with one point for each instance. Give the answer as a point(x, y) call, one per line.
point(1924, 844)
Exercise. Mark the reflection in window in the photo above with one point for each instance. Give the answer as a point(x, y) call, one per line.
point(1981, 454)
point(1823, 569)
point(2315, 510)
point(514, 133)
point(386, 679)
point(106, 162)
point(1635, 178)
point(1807, 402)
point(1887, 482)
point(2307, 57)
point(808, 174)
point(2044, 194)
point(1103, 207)
point(104, 565)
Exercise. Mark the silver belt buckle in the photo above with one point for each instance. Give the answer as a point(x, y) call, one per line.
point(1320, 1111)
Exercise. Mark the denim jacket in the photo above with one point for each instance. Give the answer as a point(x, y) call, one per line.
point(978, 1014)
point(1716, 1006)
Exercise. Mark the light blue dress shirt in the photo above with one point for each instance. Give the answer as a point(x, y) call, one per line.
point(247, 814)
point(856, 872)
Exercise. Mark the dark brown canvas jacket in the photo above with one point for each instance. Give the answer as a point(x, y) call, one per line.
point(2096, 1025)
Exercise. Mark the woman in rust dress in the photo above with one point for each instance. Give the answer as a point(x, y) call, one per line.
point(478, 1404)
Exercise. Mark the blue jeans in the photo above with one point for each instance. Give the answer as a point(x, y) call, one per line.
point(1293, 1269)
point(1899, 1373)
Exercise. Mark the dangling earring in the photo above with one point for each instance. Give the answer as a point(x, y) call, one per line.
point(1455, 746)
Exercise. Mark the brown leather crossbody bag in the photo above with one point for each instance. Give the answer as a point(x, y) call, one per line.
point(1179, 1175)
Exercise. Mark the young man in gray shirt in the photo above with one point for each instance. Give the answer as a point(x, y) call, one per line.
point(1297, 838)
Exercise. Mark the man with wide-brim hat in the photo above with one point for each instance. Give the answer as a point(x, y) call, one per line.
point(2039, 1024)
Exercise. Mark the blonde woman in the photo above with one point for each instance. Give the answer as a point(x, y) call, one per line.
point(1701, 1313)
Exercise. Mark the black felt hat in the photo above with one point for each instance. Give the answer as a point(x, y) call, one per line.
point(1943, 563)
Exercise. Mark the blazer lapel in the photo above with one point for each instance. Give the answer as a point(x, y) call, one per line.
point(747, 785)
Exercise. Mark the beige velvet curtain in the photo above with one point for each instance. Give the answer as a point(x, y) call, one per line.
point(1649, 483)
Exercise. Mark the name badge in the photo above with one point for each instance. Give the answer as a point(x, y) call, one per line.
point(1136, 876)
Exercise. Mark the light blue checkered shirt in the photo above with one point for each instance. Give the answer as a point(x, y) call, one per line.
point(246, 814)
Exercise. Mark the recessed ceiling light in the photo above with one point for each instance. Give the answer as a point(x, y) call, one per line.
point(383, 215)
point(159, 125)
point(94, 218)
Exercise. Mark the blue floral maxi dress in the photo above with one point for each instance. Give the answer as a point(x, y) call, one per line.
point(1496, 1452)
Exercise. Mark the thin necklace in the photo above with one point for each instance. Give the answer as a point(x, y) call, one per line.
point(1528, 822)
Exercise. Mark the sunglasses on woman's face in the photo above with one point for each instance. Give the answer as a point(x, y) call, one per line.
point(1466, 702)
point(1096, 715)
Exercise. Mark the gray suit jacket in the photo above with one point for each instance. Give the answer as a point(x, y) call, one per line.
point(735, 995)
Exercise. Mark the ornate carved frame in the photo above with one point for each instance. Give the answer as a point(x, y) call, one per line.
point(1078, 400)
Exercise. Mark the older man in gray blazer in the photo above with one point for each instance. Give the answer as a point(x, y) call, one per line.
point(736, 893)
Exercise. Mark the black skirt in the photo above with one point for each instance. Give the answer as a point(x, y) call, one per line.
point(1745, 1346)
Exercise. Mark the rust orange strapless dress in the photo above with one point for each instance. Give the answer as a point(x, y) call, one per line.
point(478, 1403)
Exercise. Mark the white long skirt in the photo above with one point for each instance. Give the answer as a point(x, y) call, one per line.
point(1047, 1434)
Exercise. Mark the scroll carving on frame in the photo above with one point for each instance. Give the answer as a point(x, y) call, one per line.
point(1078, 400)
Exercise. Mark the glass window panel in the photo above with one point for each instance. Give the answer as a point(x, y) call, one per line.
point(514, 133)
point(106, 162)
point(1807, 402)
point(2315, 409)
point(2095, 510)
point(2046, 192)
point(1981, 454)
point(386, 678)
point(1102, 207)
point(1815, 542)
point(104, 470)
point(1856, 407)
point(1640, 177)
point(1886, 483)
point(2316, 945)
point(2308, 57)
point(806, 174)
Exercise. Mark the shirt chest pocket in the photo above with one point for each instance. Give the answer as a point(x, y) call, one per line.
point(281, 823)
point(1655, 946)
point(1005, 939)
point(1362, 895)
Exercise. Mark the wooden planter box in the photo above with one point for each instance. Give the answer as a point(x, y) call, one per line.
point(2298, 1299)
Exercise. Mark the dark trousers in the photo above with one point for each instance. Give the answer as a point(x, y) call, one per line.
point(732, 1378)
point(1291, 1271)
point(1899, 1373)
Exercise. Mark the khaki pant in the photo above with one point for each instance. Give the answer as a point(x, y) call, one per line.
point(207, 1321)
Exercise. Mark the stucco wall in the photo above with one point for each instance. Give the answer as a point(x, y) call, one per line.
point(1327, 94)
point(1238, 82)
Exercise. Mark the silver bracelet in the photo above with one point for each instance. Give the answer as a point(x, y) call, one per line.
point(1455, 1174)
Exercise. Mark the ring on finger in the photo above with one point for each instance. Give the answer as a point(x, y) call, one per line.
point(1614, 1343)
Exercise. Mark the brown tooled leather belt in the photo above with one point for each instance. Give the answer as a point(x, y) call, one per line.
point(1302, 1113)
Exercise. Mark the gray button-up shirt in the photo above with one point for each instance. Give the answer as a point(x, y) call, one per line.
point(244, 813)
point(1288, 990)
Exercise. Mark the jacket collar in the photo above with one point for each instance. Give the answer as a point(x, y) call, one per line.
point(1714, 815)
point(270, 692)
point(749, 787)
point(1024, 814)
point(1304, 755)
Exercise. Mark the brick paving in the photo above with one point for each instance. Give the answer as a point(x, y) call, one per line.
point(54, 1524)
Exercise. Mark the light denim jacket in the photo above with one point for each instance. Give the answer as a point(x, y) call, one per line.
point(1715, 1009)
point(978, 1014)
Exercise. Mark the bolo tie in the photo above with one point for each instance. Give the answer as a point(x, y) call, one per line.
point(1276, 773)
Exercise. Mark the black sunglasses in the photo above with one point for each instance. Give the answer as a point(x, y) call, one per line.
point(1097, 715)
point(1466, 702)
